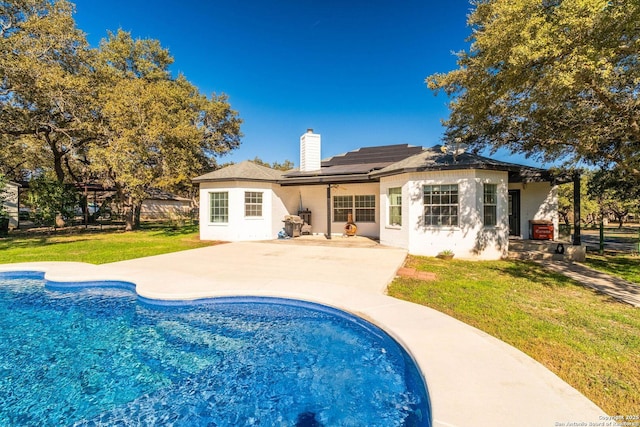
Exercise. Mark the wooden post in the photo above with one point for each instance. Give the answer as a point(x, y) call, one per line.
point(86, 206)
point(576, 209)
point(601, 251)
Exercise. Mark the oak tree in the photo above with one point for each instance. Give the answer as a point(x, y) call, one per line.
point(113, 115)
point(46, 90)
point(553, 79)
point(156, 131)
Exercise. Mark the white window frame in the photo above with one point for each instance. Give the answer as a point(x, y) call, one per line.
point(363, 204)
point(394, 202)
point(253, 204)
point(490, 205)
point(342, 207)
point(441, 204)
point(219, 214)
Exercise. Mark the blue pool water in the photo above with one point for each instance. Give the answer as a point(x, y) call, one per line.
point(100, 356)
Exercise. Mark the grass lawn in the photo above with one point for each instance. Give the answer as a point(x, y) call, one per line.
point(589, 340)
point(626, 266)
point(98, 247)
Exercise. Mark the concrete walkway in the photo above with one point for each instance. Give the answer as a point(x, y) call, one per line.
point(473, 378)
point(615, 287)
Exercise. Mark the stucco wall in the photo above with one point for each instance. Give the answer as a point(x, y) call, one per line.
point(470, 239)
point(240, 227)
point(314, 199)
point(394, 235)
point(538, 200)
point(277, 203)
point(368, 229)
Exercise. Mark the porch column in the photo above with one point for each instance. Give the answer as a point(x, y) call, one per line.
point(576, 208)
point(328, 211)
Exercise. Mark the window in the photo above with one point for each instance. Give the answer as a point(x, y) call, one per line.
point(219, 207)
point(440, 205)
point(490, 205)
point(252, 203)
point(363, 208)
point(394, 197)
point(342, 207)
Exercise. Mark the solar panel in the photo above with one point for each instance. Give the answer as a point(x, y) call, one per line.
point(382, 154)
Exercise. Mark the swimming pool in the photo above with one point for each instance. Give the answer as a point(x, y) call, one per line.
point(96, 354)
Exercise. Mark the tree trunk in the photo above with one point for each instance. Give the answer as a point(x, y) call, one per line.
point(57, 157)
point(128, 218)
point(129, 223)
point(132, 214)
point(137, 209)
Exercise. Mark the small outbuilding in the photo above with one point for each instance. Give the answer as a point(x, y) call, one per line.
point(11, 193)
point(162, 206)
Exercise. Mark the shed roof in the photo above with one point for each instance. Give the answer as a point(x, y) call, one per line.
point(158, 194)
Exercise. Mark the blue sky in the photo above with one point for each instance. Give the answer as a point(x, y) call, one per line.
point(352, 70)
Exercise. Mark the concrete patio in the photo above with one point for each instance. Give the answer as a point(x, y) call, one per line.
point(473, 378)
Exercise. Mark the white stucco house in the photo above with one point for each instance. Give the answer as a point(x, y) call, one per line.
point(425, 200)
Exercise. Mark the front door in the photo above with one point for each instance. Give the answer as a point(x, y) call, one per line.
point(514, 212)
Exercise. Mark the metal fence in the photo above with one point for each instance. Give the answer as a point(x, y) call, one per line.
point(624, 239)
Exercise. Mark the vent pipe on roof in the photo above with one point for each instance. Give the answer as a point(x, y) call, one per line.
point(309, 151)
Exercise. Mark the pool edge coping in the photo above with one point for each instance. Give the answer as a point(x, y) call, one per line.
point(398, 319)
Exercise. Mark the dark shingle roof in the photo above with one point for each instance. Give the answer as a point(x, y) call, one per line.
point(435, 158)
point(370, 163)
point(246, 170)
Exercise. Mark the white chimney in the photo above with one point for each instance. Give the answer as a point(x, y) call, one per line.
point(309, 151)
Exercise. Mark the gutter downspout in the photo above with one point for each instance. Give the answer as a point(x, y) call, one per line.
point(328, 235)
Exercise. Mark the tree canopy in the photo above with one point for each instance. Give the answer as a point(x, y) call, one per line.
point(46, 91)
point(553, 79)
point(615, 193)
point(113, 115)
point(284, 166)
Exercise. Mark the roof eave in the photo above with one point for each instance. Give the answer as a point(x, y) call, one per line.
point(537, 175)
point(328, 179)
point(201, 180)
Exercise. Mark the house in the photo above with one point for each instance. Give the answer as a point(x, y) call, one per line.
point(425, 200)
point(11, 192)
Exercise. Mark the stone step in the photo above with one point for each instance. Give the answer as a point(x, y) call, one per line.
point(536, 256)
point(536, 245)
point(545, 250)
